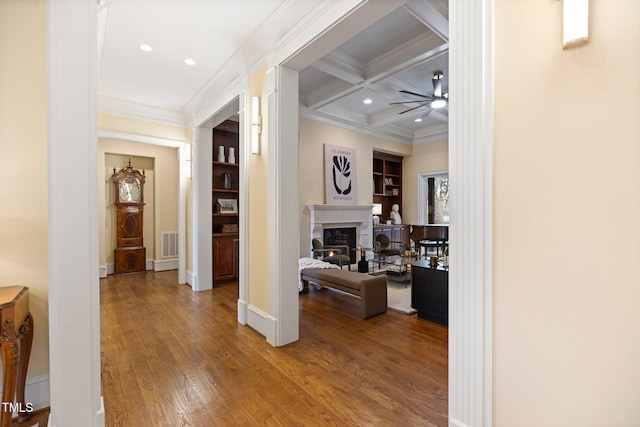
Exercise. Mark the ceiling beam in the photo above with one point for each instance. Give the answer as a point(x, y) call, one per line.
point(329, 93)
point(424, 11)
point(342, 66)
point(412, 53)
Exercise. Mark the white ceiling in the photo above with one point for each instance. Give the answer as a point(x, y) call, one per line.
point(400, 51)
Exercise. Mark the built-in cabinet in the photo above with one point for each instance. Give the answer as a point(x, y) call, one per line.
point(225, 188)
point(395, 232)
point(387, 182)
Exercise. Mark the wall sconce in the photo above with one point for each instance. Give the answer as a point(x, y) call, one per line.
point(256, 125)
point(575, 23)
point(377, 210)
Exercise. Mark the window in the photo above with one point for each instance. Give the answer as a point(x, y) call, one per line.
point(434, 198)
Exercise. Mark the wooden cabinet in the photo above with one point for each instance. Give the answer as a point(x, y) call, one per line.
point(387, 182)
point(225, 192)
point(225, 258)
point(395, 232)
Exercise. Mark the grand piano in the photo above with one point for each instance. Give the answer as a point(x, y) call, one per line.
point(430, 236)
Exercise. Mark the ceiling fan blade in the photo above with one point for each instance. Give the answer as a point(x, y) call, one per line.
point(414, 108)
point(415, 94)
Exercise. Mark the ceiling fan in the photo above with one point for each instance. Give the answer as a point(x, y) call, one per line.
point(438, 100)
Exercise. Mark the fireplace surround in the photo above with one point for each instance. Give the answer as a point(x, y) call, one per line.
point(321, 217)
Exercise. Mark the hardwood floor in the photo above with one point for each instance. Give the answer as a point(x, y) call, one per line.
point(173, 357)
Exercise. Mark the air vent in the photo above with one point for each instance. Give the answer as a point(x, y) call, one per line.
point(169, 244)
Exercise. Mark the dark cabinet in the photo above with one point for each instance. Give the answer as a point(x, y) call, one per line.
point(225, 193)
point(430, 292)
point(225, 258)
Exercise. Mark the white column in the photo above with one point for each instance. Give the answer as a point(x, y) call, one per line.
point(74, 294)
point(284, 222)
point(470, 188)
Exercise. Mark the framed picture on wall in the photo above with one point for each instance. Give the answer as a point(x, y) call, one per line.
point(340, 175)
point(228, 205)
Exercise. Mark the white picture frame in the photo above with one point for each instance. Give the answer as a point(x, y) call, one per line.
point(340, 175)
point(228, 206)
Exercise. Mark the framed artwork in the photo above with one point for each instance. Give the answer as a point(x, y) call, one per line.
point(228, 205)
point(340, 175)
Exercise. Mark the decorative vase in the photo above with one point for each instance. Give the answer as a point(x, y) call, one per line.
point(221, 153)
point(232, 155)
point(226, 181)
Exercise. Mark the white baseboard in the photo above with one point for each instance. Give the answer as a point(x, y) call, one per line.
point(105, 270)
point(36, 392)
point(242, 312)
point(165, 264)
point(191, 279)
point(263, 323)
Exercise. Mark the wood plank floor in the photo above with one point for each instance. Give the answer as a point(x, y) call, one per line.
point(173, 357)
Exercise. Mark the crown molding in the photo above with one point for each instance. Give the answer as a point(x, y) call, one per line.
point(390, 133)
point(135, 110)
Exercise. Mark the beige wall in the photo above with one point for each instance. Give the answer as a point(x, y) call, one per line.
point(23, 164)
point(313, 136)
point(431, 156)
point(161, 186)
point(567, 217)
point(257, 271)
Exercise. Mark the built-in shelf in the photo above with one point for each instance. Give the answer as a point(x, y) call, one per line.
point(225, 186)
point(387, 181)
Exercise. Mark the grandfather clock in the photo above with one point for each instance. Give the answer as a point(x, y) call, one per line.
point(130, 254)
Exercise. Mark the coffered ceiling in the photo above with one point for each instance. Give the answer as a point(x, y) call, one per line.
point(402, 51)
point(399, 52)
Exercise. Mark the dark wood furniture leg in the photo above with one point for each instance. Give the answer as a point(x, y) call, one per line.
point(9, 357)
point(26, 340)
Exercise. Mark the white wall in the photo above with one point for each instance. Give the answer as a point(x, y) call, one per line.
point(567, 217)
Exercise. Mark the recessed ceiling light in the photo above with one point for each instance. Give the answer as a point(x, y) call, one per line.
point(189, 61)
point(418, 120)
point(146, 47)
point(367, 101)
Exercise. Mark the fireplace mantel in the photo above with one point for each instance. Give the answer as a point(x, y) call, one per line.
point(319, 217)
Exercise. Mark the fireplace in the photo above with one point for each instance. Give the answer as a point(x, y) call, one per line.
point(319, 218)
point(341, 236)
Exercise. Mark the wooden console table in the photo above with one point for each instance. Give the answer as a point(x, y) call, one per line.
point(17, 337)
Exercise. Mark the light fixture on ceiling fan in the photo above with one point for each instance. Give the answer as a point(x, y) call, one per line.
point(438, 100)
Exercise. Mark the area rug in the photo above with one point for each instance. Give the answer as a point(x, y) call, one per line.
point(399, 297)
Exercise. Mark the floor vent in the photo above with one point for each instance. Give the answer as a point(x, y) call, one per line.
point(169, 244)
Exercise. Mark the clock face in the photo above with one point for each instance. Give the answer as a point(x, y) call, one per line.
point(129, 190)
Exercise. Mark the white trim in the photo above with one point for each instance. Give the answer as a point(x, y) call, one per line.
point(283, 235)
point(73, 285)
point(181, 146)
point(103, 271)
point(470, 237)
point(190, 279)
point(243, 199)
point(262, 322)
point(120, 107)
point(165, 264)
point(144, 139)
